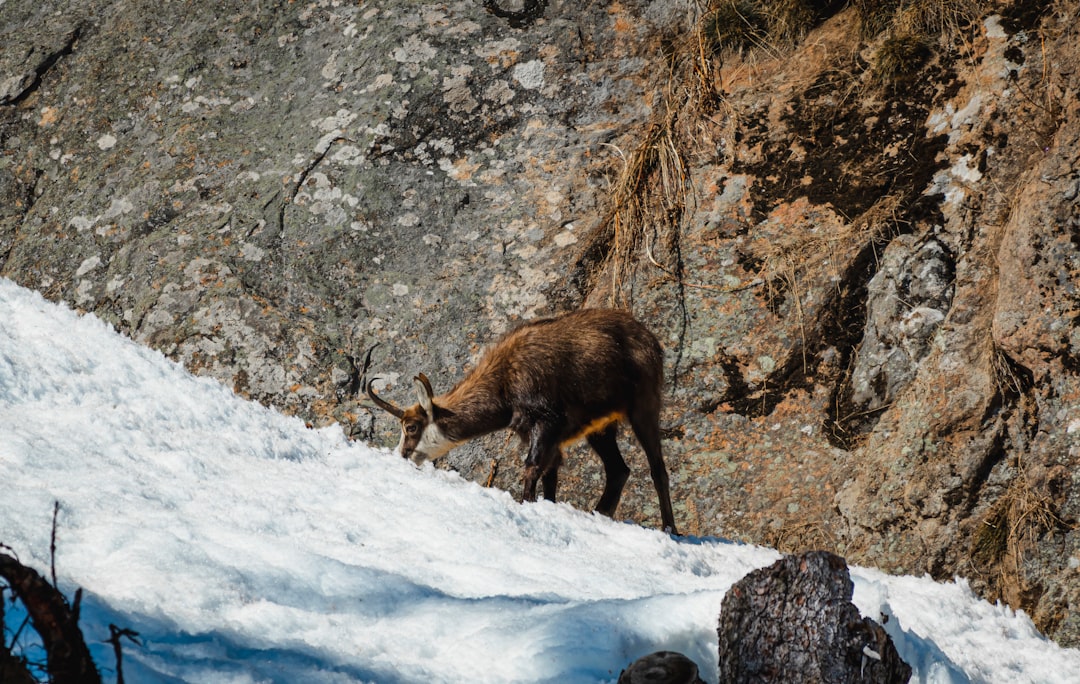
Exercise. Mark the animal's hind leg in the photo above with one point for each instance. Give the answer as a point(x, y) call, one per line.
point(646, 425)
point(606, 446)
point(550, 479)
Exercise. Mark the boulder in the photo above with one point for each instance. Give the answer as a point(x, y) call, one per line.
point(794, 622)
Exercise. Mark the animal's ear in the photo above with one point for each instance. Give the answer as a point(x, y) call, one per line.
point(424, 394)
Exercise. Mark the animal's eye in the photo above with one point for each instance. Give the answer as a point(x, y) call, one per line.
point(411, 429)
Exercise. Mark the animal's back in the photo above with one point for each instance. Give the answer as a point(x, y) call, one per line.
point(596, 361)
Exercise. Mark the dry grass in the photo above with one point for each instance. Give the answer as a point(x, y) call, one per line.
point(732, 25)
point(937, 17)
point(649, 195)
point(910, 30)
point(874, 15)
point(652, 192)
point(1006, 378)
point(1016, 523)
point(1018, 520)
point(923, 18)
point(899, 58)
point(796, 537)
point(737, 26)
point(789, 20)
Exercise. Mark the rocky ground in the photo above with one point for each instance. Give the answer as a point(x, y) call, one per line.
point(854, 227)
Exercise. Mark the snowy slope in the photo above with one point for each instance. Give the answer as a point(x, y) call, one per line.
point(247, 548)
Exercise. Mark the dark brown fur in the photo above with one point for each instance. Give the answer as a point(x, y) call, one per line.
point(553, 381)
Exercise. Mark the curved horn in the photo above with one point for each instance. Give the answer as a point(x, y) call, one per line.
point(382, 403)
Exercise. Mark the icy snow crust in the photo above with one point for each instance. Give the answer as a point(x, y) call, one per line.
point(244, 547)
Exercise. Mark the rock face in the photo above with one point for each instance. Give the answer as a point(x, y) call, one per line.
point(854, 228)
point(794, 622)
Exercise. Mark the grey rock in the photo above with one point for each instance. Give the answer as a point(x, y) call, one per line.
point(794, 622)
point(907, 300)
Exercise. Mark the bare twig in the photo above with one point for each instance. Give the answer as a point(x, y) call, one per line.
point(52, 543)
point(116, 634)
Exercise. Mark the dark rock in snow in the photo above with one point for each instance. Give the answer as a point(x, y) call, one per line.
point(662, 667)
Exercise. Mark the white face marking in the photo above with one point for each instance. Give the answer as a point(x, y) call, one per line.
point(433, 444)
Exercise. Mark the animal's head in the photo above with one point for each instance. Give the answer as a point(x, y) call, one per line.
point(422, 438)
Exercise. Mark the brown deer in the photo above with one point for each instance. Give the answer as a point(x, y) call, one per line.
point(552, 381)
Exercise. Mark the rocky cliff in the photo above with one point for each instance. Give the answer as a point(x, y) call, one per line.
point(853, 225)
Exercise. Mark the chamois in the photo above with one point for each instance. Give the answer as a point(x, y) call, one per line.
point(552, 381)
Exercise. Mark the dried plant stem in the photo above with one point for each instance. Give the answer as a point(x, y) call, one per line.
point(493, 470)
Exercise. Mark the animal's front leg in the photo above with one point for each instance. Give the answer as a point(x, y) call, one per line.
point(532, 474)
point(542, 452)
